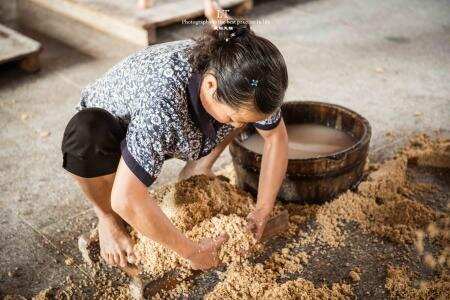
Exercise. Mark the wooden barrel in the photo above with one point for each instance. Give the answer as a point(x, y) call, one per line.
point(311, 180)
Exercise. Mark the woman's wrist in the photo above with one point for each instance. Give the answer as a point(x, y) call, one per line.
point(265, 208)
point(188, 249)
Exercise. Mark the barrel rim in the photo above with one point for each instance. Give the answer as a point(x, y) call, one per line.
point(365, 138)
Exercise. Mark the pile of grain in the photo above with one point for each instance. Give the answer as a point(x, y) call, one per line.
point(287, 261)
point(379, 206)
point(400, 285)
point(188, 202)
point(157, 260)
point(424, 151)
point(202, 207)
point(240, 244)
point(243, 281)
point(304, 289)
point(205, 207)
point(258, 281)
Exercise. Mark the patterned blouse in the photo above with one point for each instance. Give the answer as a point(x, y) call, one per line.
point(154, 92)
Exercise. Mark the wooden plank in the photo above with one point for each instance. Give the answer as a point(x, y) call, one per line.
point(162, 12)
point(127, 29)
point(17, 47)
point(175, 11)
point(123, 19)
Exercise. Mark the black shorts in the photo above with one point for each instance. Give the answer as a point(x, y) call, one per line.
point(91, 143)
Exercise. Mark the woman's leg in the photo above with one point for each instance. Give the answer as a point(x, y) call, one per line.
point(205, 163)
point(91, 148)
point(115, 242)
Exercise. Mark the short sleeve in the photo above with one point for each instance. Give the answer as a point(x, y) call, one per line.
point(142, 150)
point(271, 122)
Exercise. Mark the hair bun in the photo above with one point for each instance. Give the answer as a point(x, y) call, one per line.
point(233, 29)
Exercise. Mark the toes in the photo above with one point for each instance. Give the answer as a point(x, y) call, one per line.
point(122, 259)
point(112, 260)
point(116, 258)
point(107, 257)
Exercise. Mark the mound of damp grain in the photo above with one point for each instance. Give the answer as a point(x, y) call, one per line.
point(398, 220)
point(200, 197)
point(240, 244)
point(304, 289)
point(401, 285)
point(287, 260)
point(154, 259)
point(181, 290)
point(248, 281)
point(379, 206)
point(157, 259)
point(424, 151)
point(243, 281)
point(385, 182)
point(188, 203)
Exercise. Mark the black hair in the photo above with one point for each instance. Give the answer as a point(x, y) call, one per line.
point(249, 69)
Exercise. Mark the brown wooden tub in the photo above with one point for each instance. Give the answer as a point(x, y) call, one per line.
point(311, 180)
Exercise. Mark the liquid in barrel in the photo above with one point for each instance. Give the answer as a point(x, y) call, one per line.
point(307, 141)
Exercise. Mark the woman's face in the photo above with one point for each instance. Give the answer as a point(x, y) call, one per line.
point(224, 113)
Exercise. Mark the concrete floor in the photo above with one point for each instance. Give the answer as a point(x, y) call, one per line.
point(387, 60)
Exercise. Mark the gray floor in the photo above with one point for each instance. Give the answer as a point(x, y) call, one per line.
point(387, 60)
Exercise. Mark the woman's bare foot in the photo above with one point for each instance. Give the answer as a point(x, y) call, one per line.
point(116, 246)
point(194, 168)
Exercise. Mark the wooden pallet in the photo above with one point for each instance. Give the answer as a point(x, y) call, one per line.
point(122, 18)
point(17, 47)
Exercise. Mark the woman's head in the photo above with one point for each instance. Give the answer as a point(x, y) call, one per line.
point(244, 75)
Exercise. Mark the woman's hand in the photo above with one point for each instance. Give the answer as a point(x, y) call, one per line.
point(204, 255)
point(257, 221)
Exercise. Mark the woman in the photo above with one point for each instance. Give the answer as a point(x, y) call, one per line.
point(186, 99)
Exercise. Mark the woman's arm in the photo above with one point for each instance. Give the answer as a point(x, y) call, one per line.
point(131, 200)
point(273, 169)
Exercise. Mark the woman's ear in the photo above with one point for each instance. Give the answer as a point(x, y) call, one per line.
point(210, 84)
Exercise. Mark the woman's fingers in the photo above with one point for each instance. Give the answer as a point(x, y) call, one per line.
point(251, 225)
point(221, 239)
point(259, 232)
